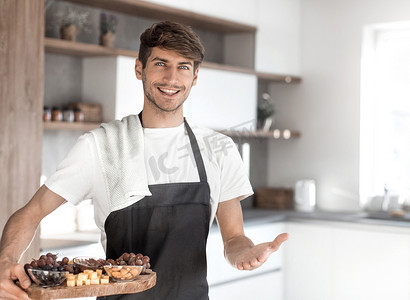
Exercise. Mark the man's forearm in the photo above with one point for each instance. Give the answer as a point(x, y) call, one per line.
point(17, 235)
point(22, 225)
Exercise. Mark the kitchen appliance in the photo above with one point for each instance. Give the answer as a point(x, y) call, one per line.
point(305, 195)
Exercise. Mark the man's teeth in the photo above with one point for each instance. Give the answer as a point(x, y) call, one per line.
point(169, 92)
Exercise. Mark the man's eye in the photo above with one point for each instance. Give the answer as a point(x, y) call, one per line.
point(160, 64)
point(184, 67)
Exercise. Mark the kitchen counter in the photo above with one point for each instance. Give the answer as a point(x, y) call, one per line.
point(255, 216)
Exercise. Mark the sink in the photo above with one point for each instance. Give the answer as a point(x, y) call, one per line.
point(383, 215)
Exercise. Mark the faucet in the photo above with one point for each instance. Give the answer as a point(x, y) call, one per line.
point(386, 199)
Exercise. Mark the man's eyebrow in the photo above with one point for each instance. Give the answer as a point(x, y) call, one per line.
point(160, 59)
point(166, 60)
point(185, 63)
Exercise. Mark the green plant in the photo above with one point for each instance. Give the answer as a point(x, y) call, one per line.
point(73, 16)
point(265, 107)
point(108, 23)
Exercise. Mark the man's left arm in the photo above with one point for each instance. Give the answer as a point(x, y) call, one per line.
point(240, 251)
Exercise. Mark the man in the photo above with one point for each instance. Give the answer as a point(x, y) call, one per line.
point(156, 183)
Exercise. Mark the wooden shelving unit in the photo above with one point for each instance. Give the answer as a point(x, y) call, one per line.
point(160, 12)
point(285, 134)
point(76, 126)
point(65, 47)
point(273, 134)
point(58, 46)
point(278, 77)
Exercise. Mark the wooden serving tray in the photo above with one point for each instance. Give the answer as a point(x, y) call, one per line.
point(142, 283)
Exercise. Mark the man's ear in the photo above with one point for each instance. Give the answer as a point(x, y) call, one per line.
point(195, 76)
point(138, 69)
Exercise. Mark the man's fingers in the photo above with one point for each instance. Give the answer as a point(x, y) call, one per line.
point(11, 291)
point(249, 265)
point(279, 240)
point(254, 262)
point(21, 275)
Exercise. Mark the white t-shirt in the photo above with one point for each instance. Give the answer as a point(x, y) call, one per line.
point(168, 159)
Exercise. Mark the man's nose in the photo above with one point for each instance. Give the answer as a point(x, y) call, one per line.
point(171, 76)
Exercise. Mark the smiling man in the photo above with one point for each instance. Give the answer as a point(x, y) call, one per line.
point(157, 182)
point(167, 79)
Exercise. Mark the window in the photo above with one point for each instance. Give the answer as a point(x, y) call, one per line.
point(385, 111)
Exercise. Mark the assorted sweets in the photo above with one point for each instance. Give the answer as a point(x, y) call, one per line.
point(49, 271)
point(89, 263)
point(123, 273)
point(88, 277)
point(131, 259)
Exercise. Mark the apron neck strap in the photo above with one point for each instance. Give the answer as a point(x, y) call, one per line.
point(195, 150)
point(197, 153)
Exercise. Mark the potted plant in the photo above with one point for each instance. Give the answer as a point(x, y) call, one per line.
point(108, 26)
point(70, 22)
point(265, 112)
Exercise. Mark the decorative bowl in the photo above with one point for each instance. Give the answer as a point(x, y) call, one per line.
point(122, 272)
point(47, 278)
point(89, 263)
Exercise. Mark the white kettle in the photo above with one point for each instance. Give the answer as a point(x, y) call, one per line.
point(305, 195)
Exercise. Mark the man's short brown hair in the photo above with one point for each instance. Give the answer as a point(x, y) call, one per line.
point(171, 36)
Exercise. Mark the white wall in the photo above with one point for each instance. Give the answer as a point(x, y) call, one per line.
point(325, 106)
point(277, 38)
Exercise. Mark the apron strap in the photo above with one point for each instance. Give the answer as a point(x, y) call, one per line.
point(197, 153)
point(195, 149)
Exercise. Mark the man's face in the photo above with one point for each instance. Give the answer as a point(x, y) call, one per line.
point(167, 79)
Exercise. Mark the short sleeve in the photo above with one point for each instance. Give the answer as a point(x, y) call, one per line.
point(234, 179)
point(73, 179)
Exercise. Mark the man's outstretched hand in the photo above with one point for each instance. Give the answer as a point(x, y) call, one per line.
point(253, 257)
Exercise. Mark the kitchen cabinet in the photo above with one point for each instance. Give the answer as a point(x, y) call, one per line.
point(223, 100)
point(308, 262)
point(225, 281)
point(261, 287)
point(371, 265)
point(334, 261)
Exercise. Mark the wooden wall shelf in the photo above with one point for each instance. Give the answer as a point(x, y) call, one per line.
point(76, 126)
point(65, 47)
point(285, 134)
point(160, 12)
point(58, 46)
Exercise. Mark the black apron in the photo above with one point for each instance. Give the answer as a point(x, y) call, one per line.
point(171, 227)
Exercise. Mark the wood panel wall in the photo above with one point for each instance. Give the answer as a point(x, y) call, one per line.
point(21, 102)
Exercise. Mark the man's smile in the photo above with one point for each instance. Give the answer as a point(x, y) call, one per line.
point(168, 92)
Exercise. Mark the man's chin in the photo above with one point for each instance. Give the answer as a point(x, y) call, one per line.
point(171, 108)
point(168, 109)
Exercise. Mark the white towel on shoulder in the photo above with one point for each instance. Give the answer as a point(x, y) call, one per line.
point(121, 150)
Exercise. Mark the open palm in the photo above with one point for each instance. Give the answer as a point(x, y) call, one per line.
point(254, 257)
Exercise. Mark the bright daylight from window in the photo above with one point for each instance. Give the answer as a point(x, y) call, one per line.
point(385, 112)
